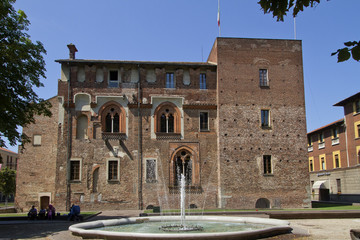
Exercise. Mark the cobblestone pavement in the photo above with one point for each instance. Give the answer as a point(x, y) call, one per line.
point(304, 229)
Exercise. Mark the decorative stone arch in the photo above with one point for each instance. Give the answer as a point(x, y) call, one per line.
point(185, 159)
point(112, 113)
point(167, 118)
point(82, 124)
point(262, 203)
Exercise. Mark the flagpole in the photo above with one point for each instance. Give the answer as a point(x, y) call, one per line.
point(218, 18)
point(294, 28)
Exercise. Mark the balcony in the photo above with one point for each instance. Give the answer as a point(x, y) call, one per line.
point(321, 145)
point(335, 141)
point(168, 136)
point(113, 136)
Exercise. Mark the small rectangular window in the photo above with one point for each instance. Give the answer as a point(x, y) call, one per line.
point(311, 166)
point(309, 140)
point(323, 165)
point(321, 137)
point(202, 81)
point(75, 170)
point(357, 106)
point(204, 121)
point(267, 164)
point(150, 170)
point(113, 170)
point(337, 162)
point(265, 118)
point(263, 76)
point(338, 184)
point(170, 81)
point(113, 78)
point(358, 130)
point(335, 133)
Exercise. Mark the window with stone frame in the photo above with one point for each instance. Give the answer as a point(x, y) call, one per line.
point(311, 166)
point(170, 80)
point(112, 119)
point(338, 185)
point(265, 118)
point(337, 161)
point(202, 81)
point(204, 121)
point(263, 77)
point(113, 170)
point(113, 78)
point(167, 119)
point(150, 170)
point(267, 164)
point(75, 170)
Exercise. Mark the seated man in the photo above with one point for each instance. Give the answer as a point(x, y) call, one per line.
point(74, 213)
point(32, 214)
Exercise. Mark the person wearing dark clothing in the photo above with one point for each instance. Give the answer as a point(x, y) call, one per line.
point(32, 213)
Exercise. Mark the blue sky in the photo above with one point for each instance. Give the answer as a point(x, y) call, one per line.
point(185, 30)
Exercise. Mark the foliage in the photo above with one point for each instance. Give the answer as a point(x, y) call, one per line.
point(7, 181)
point(22, 65)
point(279, 8)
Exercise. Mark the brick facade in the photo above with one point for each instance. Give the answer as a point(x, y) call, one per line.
point(334, 156)
point(115, 122)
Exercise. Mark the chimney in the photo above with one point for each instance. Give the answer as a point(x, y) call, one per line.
point(72, 51)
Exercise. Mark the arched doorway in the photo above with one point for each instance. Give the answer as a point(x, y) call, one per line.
point(262, 203)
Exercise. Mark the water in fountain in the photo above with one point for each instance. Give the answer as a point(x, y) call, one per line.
point(183, 227)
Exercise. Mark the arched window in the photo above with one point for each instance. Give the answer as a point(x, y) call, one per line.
point(185, 161)
point(112, 120)
point(81, 127)
point(167, 118)
point(183, 165)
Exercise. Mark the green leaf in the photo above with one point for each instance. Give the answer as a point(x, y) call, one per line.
point(349, 44)
point(355, 51)
point(343, 55)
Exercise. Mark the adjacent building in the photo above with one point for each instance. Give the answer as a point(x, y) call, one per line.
point(334, 156)
point(122, 132)
point(8, 159)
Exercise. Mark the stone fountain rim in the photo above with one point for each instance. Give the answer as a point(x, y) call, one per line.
point(82, 229)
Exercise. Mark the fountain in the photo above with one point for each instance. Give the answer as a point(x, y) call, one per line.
point(201, 227)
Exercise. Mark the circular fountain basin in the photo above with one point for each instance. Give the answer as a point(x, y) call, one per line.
point(253, 228)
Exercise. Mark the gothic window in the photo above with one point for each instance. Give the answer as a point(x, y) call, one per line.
point(113, 118)
point(183, 165)
point(167, 119)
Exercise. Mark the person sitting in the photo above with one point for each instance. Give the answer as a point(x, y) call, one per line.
point(74, 214)
point(42, 214)
point(32, 213)
point(51, 212)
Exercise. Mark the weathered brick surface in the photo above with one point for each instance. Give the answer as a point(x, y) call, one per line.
point(229, 155)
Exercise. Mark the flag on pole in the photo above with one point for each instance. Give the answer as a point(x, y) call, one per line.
point(218, 14)
point(218, 17)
